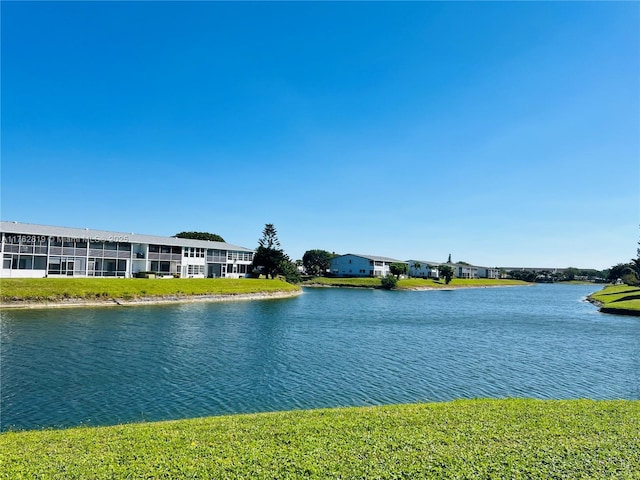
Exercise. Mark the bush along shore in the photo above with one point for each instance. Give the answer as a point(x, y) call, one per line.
point(507, 438)
point(617, 299)
point(51, 292)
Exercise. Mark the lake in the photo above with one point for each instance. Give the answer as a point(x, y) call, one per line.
point(326, 348)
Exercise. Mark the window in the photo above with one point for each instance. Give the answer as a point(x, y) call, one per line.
point(25, 262)
point(54, 265)
point(195, 269)
point(6, 261)
point(109, 265)
point(243, 256)
point(39, 263)
point(154, 248)
point(26, 248)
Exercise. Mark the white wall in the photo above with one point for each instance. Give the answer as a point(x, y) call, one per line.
point(9, 273)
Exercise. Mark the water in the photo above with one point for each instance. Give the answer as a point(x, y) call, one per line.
point(328, 347)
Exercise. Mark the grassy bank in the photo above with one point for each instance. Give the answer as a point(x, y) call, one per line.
point(57, 289)
point(460, 439)
point(410, 283)
point(619, 299)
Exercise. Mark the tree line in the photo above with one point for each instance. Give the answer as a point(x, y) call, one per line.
point(271, 261)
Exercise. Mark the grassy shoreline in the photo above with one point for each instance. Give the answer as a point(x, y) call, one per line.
point(617, 299)
point(49, 292)
point(411, 283)
point(508, 438)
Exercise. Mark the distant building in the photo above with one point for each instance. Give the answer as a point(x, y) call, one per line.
point(488, 272)
point(352, 265)
point(31, 251)
point(423, 269)
point(461, 270)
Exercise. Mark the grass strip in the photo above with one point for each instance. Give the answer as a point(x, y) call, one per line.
point(618, 299)
point(56, 289)
point(510, 438)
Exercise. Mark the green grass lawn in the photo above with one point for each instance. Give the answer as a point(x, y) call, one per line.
point(409, 283)
point(618, 299)
point(53, 289)
point(512, 439)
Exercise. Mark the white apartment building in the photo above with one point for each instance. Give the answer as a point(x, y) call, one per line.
point(423, 269)
point(32, 251)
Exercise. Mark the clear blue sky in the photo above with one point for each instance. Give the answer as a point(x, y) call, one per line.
point(506, 134)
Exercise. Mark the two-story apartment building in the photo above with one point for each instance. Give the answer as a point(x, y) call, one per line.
point(488, 272)
point(354, 265)
point(423, 269)
point(31, 251)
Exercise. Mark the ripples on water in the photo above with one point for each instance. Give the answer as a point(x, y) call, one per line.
point(325, 348)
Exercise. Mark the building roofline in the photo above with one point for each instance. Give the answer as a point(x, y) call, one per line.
point(372, 257)
point(106, 235)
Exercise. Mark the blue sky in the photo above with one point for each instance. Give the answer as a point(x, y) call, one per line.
point(506, 134)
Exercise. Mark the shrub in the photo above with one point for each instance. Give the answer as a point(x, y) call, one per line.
point(389, 282)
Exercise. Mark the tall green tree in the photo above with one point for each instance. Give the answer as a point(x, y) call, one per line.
point(200, 236)
point(617, 271)
point(317, 262)
point(398, 268)
point(269, 255)
point(446, 271)
point(289, 270)
point(571, 273)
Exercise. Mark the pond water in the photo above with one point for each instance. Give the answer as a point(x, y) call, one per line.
point(325, 348)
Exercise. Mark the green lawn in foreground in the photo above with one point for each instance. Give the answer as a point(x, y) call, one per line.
point(526, 439)
point(410, 283)
point(53, 289)
point(618, 297)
